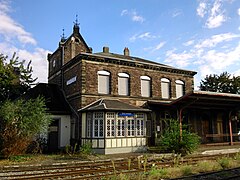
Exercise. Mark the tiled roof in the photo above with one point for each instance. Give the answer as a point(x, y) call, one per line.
point(112, 105)
point(54, 97)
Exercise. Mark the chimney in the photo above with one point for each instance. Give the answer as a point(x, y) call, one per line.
point(106, 49)
point(126, 51)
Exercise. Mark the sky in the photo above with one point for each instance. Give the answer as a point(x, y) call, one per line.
point(197, 35)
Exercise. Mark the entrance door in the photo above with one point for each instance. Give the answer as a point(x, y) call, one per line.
point(53, 136)
point(205, 130)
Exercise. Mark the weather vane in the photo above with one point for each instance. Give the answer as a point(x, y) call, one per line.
point(76, 21)
point(63, 35)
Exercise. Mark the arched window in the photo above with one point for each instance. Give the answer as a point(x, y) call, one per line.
point(179, 88)
point(123, 84)
point(165, 88)
point(103, 82)
point(145, 86)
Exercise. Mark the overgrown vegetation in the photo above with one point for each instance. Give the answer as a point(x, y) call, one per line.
point(171, 141)
point(20, 120)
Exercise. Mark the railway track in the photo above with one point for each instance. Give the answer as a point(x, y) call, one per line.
point(96, 169)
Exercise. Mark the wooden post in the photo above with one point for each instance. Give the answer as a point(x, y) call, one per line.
point(230, 131)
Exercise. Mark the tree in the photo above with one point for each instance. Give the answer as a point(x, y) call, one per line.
point(15, 78)
point(224, 83)
point(20, 122)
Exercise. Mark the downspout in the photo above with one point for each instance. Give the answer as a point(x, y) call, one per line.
point(230, 128)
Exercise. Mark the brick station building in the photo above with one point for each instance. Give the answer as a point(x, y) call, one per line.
point(121, 102)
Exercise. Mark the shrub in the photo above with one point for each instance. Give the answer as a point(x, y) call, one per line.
point(86, 148)
point(170, 140)
point(20, 122)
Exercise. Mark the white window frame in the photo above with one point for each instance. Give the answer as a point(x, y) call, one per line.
point(98, 125)
point(105, 77)
point(165, 88)
point(89, 125)
point(179, 88)
point(110, 124)
point(123, 84)
point(145, 86)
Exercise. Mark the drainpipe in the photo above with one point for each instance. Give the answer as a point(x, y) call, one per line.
point(230, 128)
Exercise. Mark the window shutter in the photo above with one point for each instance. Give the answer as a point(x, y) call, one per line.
point(145, 88)
point(165, 90)
point(123, 86)
point(103, 84)
point(179, 90)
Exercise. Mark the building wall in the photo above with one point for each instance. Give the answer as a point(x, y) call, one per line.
point(90, 83)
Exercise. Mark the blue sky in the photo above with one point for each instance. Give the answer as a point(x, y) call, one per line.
point(198, 35)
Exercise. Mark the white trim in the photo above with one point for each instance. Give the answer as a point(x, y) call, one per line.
point(106, 73)
point(165, 80)
point(179, 82)
point(123, 75)
point(145, 78)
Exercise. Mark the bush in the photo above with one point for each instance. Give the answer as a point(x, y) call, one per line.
point(20, 122)
point(170, 140)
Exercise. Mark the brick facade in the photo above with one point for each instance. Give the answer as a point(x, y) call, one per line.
point(75, 69)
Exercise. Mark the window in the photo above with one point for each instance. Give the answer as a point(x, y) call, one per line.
point(89, 125)
point(110, 125)
point(103, 82)
point(131, 126)
point(98, 124)
point(145, 86)
point(179, 88)
point(165, 88)
point(120, 126)
point(123, 83)
point(140, 124)
point(128, 126)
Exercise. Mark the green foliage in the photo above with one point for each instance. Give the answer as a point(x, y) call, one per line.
point(15, 78)
point(224, 83)
point(186, 170)
point(20, 122)
point(224, 162)
point(86, 148)
point(170, 140)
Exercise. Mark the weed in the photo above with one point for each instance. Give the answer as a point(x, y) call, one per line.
point(224, 162)
point(86, 148)
point(208, 166)
point(186, 170)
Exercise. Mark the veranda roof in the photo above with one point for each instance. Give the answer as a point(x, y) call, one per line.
point(112, 105)
point(204, 100)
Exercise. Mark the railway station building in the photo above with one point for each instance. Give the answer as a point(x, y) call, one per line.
point(123, 103)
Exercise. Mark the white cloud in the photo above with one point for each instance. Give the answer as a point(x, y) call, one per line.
point(143, 36)
point(189, 43)
point(14, 38)
point(217, 16)
point(134, 15)
point(202, 9)
point(216, 39)
point(238, 11)
point(159, 46)
point(180, 60)
point(214, 12)
point(176, 12)
point(10, 29)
